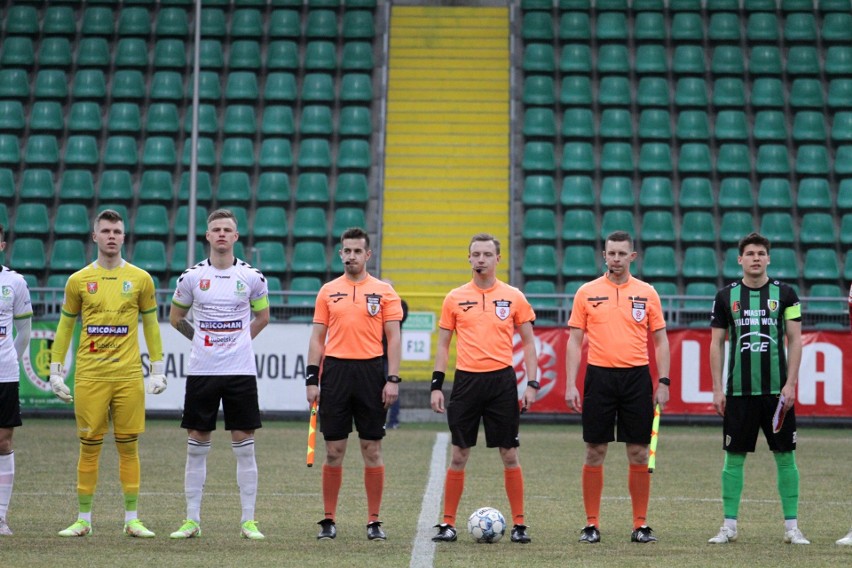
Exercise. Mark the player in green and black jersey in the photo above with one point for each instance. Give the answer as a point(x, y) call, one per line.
point(762, 320)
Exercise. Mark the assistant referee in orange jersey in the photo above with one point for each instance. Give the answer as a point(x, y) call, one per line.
point(484, 314)
point(352, 313)
point(617, 312)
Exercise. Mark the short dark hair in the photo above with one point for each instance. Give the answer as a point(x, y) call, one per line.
point(110, 215)
point(753, 239)
point(619, 237)
point(484, 238)
point(221, 214)
point(356, 233)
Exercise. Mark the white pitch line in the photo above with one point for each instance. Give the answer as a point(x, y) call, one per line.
point(423, 551)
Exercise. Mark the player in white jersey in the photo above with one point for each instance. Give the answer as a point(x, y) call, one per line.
point(223, 293)
point(15, 310)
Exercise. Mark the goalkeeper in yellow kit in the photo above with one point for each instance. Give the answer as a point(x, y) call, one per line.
point(109, 294)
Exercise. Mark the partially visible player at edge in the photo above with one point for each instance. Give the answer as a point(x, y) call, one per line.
point(15, 310)
point(617, 312)
point(847, 540)
point(756, 315)
point(109, 295)
point(351, 314)
point(223, 293)
point(484, 314)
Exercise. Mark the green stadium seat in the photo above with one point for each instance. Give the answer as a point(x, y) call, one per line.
point(617, 192)
point(134, 21)
point(767, 92)
point(12, 114)
point(68, 255)
point(649, 26)
point(734, 226)
point(538, 58)
point(321, 24)
point(124, 117)
point(653, 92)
point(285, 24)
point(213, 23)
point(37, 185)
point(170, 53)
point(575, 91)
point(762, 27)
point(539, 190)
point(821, 264)
point(241, 86)
point(784, 265)
point(659, 262)
point(693, 125)
point(774, 193)
point(578, 261)
point(234, 188)
point(735, 193)
point(310, 223)
point(613, 58)
point(695, 193)
point(42, 149)
point(765, 60)
point(538, 90)
point(121, 151)
point(179, 262)
point(21, 20)
point(53, 84)
point(127, 84)
point(98, 20)
point(611, 26)
point(10, 149)
point(700, 297)
point(617, 220)
point(309, 286)
point(131, 53)
point(843, 161)
point(166, 86)
point(240, 119)
point(655, 124)
point(356, 87)
point(357, 56)
point(14, 84)
point(840, 94)
point(159, 151)
point(731, 125)
point(172, 22)
point(727, 60)
point(92, 52)
point(309, 258)
point(655, 158)
point(688, 60)
point(772, 159)
point(615, 123)
point(616, 157)
point(847, 266)
point(770, 126)
point(657, 227)
point(115, 185)
point(206, 152)
point(316, 120)
point(278, 121)
point(8, 191)
point(540, 122)
point(700, 263)
point(539, 225)
point(358, 24)
point(17, 51)
point(151, 220)
point(687, 27)
point(578, 157)
point(656, 193)
point(27, 255)
point(803, 60)
point(77, 185)
point(812, 159)
point(651, 59)
point(778, 228)
point(573, 26)
point(354, 154)
point(273, 187)
point(539, 261)
point(355, 121)
point(346, 217)
point(577, 191)
point(156, 187)
point(246, 22)
point(208, 119)
point(689, 92)
point(314, 153)
point(841, 127)
point(724, 26)
point(838, 60)
point(699, 228)
point(685, 5)
point(731, 268)
point(733, 159)
point(316, 87)
point(575, 58)
point(817, 229)
point(32, 219)
point(728, 92)
point(239, 153)
point(284, 55)
point(269, 222)
point(352, 189)
point(533, 288)
point(59, 20)
point(81, 150)
point(181, 225)
point(806, 93)
point(55, 52)
point(163, 118)
point(244, 55)
point(800, 27)
point(312, 188)
point(150, 256)
point(846, 230)
point(814, 194)
point(579, 225)
point(694, 158)
point(809, 126)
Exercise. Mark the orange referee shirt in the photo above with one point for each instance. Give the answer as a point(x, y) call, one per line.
point(355, 314)
point(484, 321)
point(616, 318)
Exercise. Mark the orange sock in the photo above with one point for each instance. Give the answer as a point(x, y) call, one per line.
point(332, 478)
point(514, 479)
point(639, 483)
point(593, 480)
point(453, 489)
point(374, 483)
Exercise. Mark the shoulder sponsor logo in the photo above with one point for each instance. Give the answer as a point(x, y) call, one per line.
point(222, 326)
point(638, 311)
point(107, 329)
point(374, 304)
point(502, 308)
point(204, 284)
point(92, 287)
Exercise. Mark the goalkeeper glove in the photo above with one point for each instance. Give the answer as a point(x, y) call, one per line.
point(57, 383)
point(157, 380)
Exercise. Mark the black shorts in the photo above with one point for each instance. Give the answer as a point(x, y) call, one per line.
point(491, 397)
point(238, 394)
point(745, 416)
point(352, 389)
point(623, 398)
point(10, 405)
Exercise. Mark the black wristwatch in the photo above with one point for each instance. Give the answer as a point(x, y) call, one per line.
point(534, 384)
point(664, 381)
point(394, 379)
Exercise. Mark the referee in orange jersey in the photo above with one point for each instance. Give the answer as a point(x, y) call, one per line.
point(484, 313)
point(617, 311)
point(352, 313)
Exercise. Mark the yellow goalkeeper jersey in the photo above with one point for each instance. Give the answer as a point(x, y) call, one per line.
point(110, 302)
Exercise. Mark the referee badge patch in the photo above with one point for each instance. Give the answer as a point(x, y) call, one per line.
point(501, 308)
point(374, 304)
point(638, 311)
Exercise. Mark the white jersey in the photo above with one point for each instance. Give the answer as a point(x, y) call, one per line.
point(14, 304)
point(221, 302)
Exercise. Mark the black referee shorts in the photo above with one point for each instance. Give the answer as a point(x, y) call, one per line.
point(620, 398)
point(491, 397)
point(352, 390)
point(745, 416)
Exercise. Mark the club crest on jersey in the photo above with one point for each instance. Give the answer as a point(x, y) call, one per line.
point(126, 287)
point(502, 308)
point(735, 307)
point(374, 304)
point(7, 291)
point(240, 292)
point(638, 311)
point(92, 287)
point(204, 284)
point(772, 305)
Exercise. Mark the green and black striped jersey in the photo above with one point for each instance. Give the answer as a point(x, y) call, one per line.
point(756, 320)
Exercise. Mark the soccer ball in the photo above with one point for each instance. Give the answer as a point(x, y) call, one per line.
point(486, 525)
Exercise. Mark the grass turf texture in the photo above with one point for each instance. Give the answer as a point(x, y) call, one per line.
point(685, 506)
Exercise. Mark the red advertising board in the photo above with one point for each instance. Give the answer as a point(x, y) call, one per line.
point(825, 375)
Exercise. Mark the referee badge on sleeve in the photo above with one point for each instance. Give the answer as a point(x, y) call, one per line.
point(638, 311)
point(501, 308)
point(374, 304)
